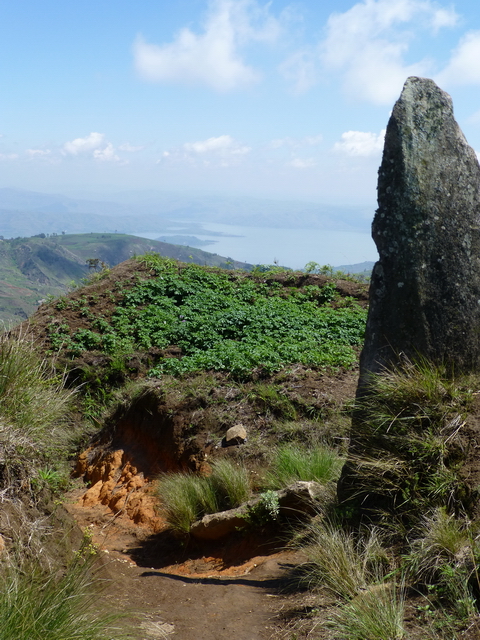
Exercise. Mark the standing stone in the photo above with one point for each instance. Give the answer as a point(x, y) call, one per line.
point(425, 288)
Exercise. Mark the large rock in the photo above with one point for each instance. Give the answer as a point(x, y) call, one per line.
point(293, 501)
point(425, 288)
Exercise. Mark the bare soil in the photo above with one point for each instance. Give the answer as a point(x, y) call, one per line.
point(183, 587)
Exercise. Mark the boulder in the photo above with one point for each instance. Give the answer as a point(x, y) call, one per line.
point(425, 287)
point(295, 500)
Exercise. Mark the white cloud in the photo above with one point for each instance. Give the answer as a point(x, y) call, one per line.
point(84, 145)
point(222, 144)
point(107, 154)
point(368, 44)
point(295, 143)
point(302, 163)
point(300, 71)
point(130, 148)
point(443, 18)
point(223, 150)
point(212, 57)
point(464, 65)
point(360, 143)
point(95, 145)
point(8, 156)
point(38, 153)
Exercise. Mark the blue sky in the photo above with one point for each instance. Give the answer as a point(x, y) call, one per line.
point(280, 99)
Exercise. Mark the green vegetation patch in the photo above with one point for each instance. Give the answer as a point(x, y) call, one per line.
point(222, 321)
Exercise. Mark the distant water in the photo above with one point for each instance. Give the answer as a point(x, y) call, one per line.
point(288, 247)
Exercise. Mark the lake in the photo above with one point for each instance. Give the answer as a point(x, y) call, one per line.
point(288, 247)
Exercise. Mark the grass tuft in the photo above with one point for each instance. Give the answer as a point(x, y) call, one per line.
point(406, 444)
point(186, 497)
point(37, 604)
point(292, 462)
point(375, 614)
point(340, 562)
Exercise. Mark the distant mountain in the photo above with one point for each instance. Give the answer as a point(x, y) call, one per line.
point(32, 268)
point(361, 267)
point(167, 212)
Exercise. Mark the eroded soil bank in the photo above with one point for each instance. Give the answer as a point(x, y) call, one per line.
point(182, 587)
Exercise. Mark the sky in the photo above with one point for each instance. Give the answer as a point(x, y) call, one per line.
point(272, 99)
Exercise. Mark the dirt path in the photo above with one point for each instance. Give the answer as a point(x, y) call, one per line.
point(230, 590)
point(193, 608)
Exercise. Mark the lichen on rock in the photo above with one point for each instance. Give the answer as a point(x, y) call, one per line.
point(425, 288)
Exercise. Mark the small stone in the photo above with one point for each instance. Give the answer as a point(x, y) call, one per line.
point(235, 435)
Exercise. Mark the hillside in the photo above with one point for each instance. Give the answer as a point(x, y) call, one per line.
point(211, 424)
point(35, 267)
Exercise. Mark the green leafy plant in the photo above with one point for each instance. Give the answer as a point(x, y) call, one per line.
point(222, 321)
point(265, 511)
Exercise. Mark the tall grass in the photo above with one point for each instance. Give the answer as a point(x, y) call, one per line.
point(186, 497)
point(32, 398)
point(35, 604)
point(34, 406)
point(339, 561)
point(230, 482)
point(375, 614)
point(406, 444)
point(40, 599)
point(293, 462)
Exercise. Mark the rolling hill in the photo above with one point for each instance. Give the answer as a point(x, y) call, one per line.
point(33, 268)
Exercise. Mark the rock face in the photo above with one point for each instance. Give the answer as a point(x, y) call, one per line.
point(425, 288)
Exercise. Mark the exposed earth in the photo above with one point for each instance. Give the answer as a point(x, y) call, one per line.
point(186, 588)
